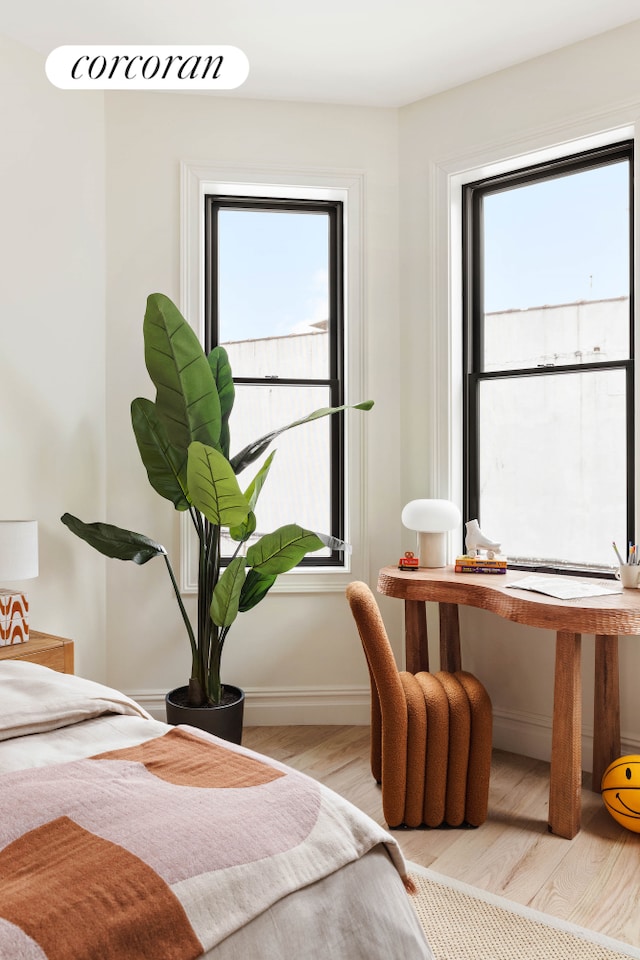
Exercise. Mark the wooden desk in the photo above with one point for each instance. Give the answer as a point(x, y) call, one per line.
point(43, 648)
point(607, 617)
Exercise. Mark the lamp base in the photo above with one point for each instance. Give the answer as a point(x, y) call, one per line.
point(14, 618)
point(432, 549)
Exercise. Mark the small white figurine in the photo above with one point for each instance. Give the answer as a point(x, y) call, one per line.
point(475, 540)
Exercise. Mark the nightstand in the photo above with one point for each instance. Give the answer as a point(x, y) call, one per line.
point(43, 648)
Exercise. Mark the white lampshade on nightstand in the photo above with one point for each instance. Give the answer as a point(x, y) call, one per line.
point(18, 549)
point(432, 520)
point(18, 561)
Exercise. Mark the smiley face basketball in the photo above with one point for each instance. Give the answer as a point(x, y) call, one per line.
point(621, 791)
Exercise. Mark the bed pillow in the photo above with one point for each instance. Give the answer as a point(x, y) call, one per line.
point(34, 699)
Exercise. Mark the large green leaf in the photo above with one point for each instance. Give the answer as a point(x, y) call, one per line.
point(253, 450)
point(244, 530)
point(166, 468)
point(253, 490)
point(281, 550)
point(114, 541)
point(221, 369)
point(255, 587)
point(213, 488)
point(187, 400)
point(226, 596)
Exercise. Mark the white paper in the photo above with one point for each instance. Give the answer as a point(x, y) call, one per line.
point(565, 588)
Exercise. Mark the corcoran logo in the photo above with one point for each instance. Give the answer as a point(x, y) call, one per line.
point(149, 67)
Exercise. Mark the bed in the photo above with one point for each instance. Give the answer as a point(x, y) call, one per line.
point(123, 838)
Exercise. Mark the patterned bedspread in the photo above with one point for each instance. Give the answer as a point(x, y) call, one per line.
point(163, 849)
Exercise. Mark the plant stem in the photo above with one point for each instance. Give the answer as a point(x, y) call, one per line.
point(214, 689)
point(223, 636)
point(185, 617)
point(205, 614)
point(212, 661)
point(197, 688)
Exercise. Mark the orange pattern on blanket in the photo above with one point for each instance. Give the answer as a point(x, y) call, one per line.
point(198, 763)
point(78, 895)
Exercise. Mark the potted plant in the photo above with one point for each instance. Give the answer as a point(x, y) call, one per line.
point(183, 438)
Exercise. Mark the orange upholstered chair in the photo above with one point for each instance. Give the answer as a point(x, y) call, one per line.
point(430, 733)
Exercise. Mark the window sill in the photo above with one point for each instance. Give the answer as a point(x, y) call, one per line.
point(568, 570)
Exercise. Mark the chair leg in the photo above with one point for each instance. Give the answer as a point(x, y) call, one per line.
point(479, 769)
point(416, 750)
point(459, 736)
point(375, 748)
point(437, 754)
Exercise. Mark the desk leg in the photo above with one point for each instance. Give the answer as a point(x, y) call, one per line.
point(566, 744)
point(415, 633)
point(606, 707)
point(449, 637)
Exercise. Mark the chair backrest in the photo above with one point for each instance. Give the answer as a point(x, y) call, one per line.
point(385, 680)
point(388, 702)
point(373, 635)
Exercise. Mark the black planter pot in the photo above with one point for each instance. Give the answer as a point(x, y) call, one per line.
point(223, 720)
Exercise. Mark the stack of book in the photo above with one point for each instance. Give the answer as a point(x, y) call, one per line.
point(480, 565)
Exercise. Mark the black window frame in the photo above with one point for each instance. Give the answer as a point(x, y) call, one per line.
point(473, 320)
point(335, 381)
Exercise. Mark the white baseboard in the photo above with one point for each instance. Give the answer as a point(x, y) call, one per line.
point(271, 706)
point(525, 733)
point(530, 735)
point(312, 705)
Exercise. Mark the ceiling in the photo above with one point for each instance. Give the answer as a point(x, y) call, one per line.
point(366, 52)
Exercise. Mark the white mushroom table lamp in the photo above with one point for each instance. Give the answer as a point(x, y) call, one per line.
point(432, 520)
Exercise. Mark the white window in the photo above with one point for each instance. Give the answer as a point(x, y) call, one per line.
point(548, 358)
point(271, 271)
point(274, 299)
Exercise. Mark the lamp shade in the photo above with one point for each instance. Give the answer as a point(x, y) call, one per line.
point(431, 516)
point(431, 519)
point(18, 549)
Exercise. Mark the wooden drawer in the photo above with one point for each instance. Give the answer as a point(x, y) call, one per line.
point(43, 648)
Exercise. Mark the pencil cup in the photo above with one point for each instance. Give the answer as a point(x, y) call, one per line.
point(627, 574)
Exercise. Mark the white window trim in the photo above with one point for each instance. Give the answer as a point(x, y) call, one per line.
point(199, 179)
point(447, 179)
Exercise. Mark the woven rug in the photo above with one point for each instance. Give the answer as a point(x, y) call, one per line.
point(464, 923)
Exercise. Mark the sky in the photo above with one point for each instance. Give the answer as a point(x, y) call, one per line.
point(553, 242)
point(273, 272)
point(558, 241)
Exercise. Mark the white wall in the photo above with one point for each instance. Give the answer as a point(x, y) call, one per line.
point(573, 92)
point(291, 642)
point(52, 255)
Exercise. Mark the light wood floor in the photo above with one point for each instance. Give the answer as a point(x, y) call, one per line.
point(592, 880)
